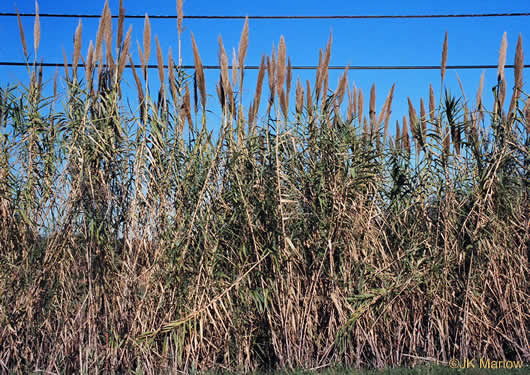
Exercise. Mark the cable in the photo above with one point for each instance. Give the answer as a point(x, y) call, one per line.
point(469, 15)
point(296, 67)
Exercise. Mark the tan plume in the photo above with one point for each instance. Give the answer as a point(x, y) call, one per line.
point(36, 29)
point(444, 57)
point(22, 37)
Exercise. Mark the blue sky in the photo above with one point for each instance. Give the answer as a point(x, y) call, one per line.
point(356, 42)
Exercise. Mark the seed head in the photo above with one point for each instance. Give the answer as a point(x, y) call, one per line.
point(444, 57)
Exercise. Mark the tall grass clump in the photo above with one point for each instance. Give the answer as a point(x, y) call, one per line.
point(303, 234)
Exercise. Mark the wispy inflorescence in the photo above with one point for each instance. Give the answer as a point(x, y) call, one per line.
point(140, 235)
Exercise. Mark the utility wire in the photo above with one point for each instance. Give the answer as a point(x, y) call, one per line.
point(295, 67)
point(287, 17)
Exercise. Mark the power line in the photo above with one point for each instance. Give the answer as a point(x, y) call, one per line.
point(285, 17)
point(295, 67)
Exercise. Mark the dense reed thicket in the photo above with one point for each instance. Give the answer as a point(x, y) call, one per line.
point(303, 234)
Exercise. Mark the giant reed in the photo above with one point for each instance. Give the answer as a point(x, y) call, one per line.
point(298, 236)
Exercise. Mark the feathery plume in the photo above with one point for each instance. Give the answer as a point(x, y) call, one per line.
point(259, 86)
point(242, 53)
point(124, 52)
point(147, 39)
point(327, 56)
point(108, 40)
point(270, 76)
point(413, 118)
point(225, 80)
point(234, 68)
point(406, 139)
point(318, 80)
point(36, 29)
point(250, 120)
point(388, 110)
point(108, 36)
point(242, 49)
point(186, 106)
point(519, 63)
point(390, 98)
point(299, 96)
point(444, 57)
point(89, 66)
point(223, 62)
point(77, 45)
point(271, 72)
point(432, 109)
point(325, 87)
point(502, 94)
point(180, 15)
point(100, 34)
point(349, 109)
point(22, 37)
point(382, 114)
point(138, 84)
point(201, 82)
point(372, 105)
point(502, 58)
point(518, 75)
point(171, 76)
point(220, 92)
point(65, 62)
point(280, 66)
point(309, 99)
point(499, 104)
point(324, 71)
point(343, 83)
point(121, 19)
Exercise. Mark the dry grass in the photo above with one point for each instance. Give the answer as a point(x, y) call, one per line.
point(128, 244)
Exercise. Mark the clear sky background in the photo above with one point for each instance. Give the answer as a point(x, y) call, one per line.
point(355, 42)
